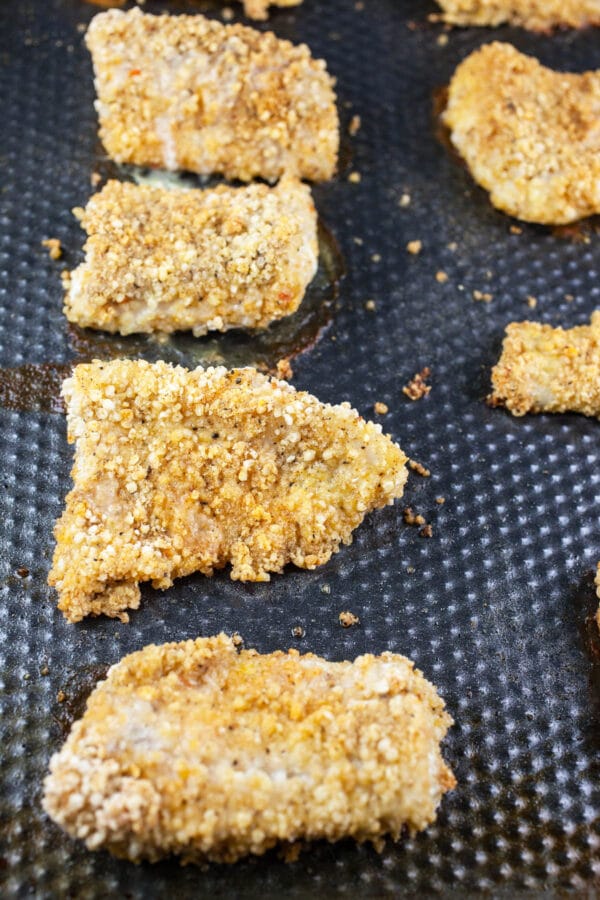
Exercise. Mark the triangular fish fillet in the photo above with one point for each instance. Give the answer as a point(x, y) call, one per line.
point(196, 750)
point(181, 471)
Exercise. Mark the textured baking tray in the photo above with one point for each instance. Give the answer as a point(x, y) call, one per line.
point(495, 607)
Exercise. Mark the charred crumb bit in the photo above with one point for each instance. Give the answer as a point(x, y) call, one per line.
point(441, 277)
point(426, 531)
point(298, 631)
point(291, 852)
point(381, 408)
point(414, 247)
point(95, 179)
point(569, 298)
point(440, 500)
point(404, 200)
point(442, 40)
point(54, 247)
point(347, 619)
point(515, 229)
point(354, 126)
point(61, 697)
point(371, 305)
point(483, 296)
point(22, 572)
point(532, 302)
point(418, 468)
point(44, 670)
point(354, 177)
point(376, 257)
point(417, 387)
point(358, 241)
point(284, 369)
point(325, 589)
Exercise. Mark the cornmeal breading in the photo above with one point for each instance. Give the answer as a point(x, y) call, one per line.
point(186, 92)
point(198, 750)
point(529, 135)
point(165, 260)
point(258, 9)
point(181, 471)
point(537, 15)
point(545, 369)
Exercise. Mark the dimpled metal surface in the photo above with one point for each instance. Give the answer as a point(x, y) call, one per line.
point(495, 607)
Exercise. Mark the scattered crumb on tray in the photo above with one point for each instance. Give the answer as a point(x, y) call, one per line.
point(440, 500)
point(515, 229)
point(347, 619)
point(354, 126)
point(404, 200)
point(484, 296)
point(61, 697)
point(417, 387)
point(371, 305)
point(284, 369)
point(532, 302)
point(354, 177)
point(381, 408)
point(418, 468)
point(54, 247)
point(414, 247)
point(441, 277)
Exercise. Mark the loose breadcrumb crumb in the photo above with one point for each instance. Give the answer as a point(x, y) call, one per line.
point(347, 619)
point(354, 126)
point(284, 369)
point(412, 518)
point(426, 531)
point(187, 92)
point(418, 468)
point(515, 229)
point(54, 247)
point(417, 387)
point(532, 302)
point(414, 247)
point(182, 471)
point(441, 277)
point(484, 296)
point(528, 134)
point(545, 369)
point(371, 305)
point(404, 201)
point(440, 500)
point(381, 408)
point(354, 177)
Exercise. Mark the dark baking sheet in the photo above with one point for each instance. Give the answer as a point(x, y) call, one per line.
point(495, 607)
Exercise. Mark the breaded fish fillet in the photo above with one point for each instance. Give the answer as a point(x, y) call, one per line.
point(181, 471)
point(186, 92)
point(166, 260)
point(529, 135)
point(545, 369)
point(258, 9)
point(537, 15)
point(198, 750)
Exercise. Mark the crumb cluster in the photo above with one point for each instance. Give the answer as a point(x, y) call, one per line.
point(202, 751)
point(187, 92)
point(166, 260)
point(417, 387)
point(180, 471)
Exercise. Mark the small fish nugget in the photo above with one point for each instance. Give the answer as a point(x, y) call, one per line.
point(528, 134)
point(167, 260)
point(181, 471)
point(197, 750)
point(551, 370)
point(187, 92)
point(536, 15)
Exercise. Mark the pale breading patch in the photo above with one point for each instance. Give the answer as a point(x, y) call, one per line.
point(187, 92)
point(197, 750)
point(545, 369)
point(167, 260)
point(537, 15)
point(529, 135)
point(180, 471)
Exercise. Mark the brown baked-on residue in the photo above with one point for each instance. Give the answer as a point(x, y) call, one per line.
point(187, 92)
point(181, 471)
point(258, 9)
point(552, 370)
point(167, 260)
point(536, 15)
point(197, 750)
point(528, 134)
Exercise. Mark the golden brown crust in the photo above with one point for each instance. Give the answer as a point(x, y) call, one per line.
point(545, 369)
point(186, 92)
point(536, 15)
point(528, 134)
point(197, 750)
point(181, 471)
point(166, 260)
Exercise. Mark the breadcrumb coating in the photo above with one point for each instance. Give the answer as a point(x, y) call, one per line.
point(545, 369)
point(536, 15)
point(181, 471)
point(258, 9)
point(187, 92)
point(528, 134)
point(166, 260)
point(197, 750)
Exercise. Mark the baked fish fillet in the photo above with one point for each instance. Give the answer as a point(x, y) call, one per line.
point(166, 260)
point(181, 471)
point(529, 135)
point(545, 369)
point(198, 750)
point(186, 92)
point(536, 15)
